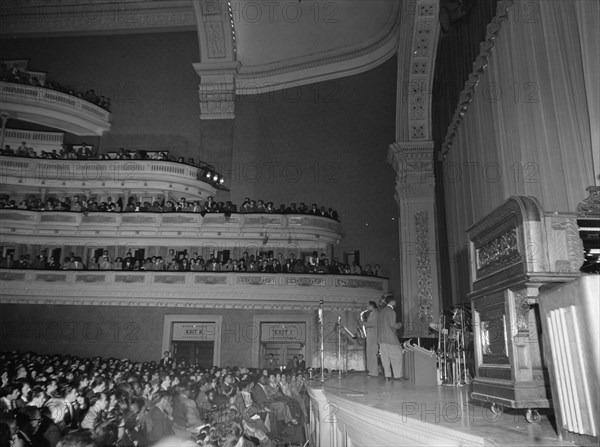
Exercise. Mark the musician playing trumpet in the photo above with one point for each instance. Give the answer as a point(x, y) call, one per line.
point(370, 317)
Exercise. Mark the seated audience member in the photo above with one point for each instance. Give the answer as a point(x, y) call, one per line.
point(158, 424)
point(186, 417)
point(78, 438)
point(95, 414)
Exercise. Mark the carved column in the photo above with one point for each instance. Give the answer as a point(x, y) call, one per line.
point(218, 66)
point(415, 184)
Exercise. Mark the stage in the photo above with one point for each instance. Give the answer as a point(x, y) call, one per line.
point(362, 411)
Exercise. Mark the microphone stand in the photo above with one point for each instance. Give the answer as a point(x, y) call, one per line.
point(339, 335)
point(322, 347)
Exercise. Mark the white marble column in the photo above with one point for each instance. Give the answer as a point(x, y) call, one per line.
point(415, 194)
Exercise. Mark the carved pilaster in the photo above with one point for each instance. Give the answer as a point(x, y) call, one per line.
point(218, 67)
point(415, 187)
point(416, 56)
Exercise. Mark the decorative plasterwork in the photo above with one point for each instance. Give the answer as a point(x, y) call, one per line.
point(53, 109)
point(194, 290)
point(217, 67)
point(479, 68)
point(322, 66)
point(84, 17)
point(424, 280)
point(413, 163)
point(174, 229)
point(144, 178)
point(416, 56)
point(222, 76)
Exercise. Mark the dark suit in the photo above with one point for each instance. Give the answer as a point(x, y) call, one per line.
point(372, 343)
point(391, 350)
point(158, 425)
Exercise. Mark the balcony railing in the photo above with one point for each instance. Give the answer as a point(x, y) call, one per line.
point(173, 229)
point(52, 108)
point(139, 177)
point(190, 289)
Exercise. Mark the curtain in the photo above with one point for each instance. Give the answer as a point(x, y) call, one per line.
point(527, 124)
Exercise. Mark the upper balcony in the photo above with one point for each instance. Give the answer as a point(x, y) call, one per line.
point(168, 229)
point(144, 178)
point(53, 109)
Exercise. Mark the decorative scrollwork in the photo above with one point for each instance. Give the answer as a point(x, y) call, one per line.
point(499, 252)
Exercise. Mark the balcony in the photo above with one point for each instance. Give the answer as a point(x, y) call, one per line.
point(189, 289)
point(22, 176)
point(53, 109)
point(303, 232)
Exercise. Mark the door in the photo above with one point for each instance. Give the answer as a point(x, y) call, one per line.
point(283, 353)
point(194, 352)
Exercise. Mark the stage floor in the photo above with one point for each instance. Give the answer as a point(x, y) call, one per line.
point(442, 408)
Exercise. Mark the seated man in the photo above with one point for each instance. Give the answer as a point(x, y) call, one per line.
point(158, 425)
point(186, 417)
point(279, 408)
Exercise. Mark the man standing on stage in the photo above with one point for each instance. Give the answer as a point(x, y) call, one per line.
point(370, 318)
point(391, 350)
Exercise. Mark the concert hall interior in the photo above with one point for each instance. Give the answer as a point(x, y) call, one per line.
point(392, 206)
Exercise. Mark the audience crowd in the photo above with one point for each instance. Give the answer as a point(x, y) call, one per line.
point(18, 76)
point(184, 262)
point(67, 401)
point(85, 204)
point(87, 152)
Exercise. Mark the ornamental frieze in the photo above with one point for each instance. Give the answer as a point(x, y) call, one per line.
point(256, 280)
point(139, 219)
point(58, 217)
point(99, 218)
point(16, 216)
point(358, 283)
point(306, 282)
point(90, 278)
point(423, 268)
point(210, 280)
point(130, 278)
point(50, 277)
point(178, 219)
point(521, 308)
point(498, 253)
point(170, 279)
point(12, 276)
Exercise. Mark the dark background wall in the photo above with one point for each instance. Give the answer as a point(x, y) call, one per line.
point(324, 143)
point(119, 331)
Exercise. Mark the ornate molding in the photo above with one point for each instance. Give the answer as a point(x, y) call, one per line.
point(413, 163)
point(306, 282)
point(223, 77)
point(323, 66)
point(424, 280)
point(479, 68)
point(357, 283)
point(53, 108)
point(499, 253)
point(218, 67)
point(198, 290)
point(175, 229)
point(420, 79)
point(84, 17)
point(521, 309)
point(590, 206)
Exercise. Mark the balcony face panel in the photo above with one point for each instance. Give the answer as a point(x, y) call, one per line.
point(173, 229)
point(192, 289)
point(23, 176)
point(54, 109)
